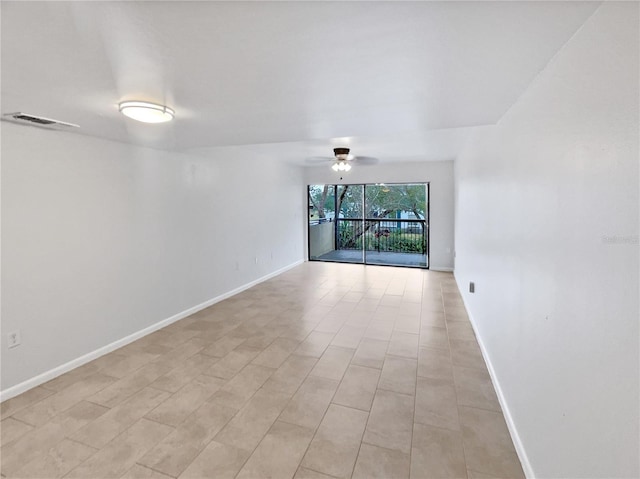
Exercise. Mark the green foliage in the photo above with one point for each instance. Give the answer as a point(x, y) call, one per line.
point(348, 236)
point(383, 201)
point(396, 241)
point(321, 200)
point(350, 201)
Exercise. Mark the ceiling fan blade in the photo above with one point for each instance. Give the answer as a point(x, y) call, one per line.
point(318, 159)
point(367, 160)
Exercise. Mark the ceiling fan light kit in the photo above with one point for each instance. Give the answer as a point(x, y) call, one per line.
point(342, 157)
point(341, 165)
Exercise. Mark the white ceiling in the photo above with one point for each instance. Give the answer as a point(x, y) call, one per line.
point(400, 80)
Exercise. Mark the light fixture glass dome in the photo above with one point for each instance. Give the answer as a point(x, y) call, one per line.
point(341, 165)
point(146, 112)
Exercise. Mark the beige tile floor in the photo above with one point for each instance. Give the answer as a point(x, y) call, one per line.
point(327, 370)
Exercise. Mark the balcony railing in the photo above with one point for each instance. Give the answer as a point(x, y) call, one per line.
point(382, 235)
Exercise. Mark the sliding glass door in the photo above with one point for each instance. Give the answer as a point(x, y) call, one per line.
point(386, 224)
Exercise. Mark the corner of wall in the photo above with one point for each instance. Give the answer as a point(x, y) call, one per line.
point(513, 431)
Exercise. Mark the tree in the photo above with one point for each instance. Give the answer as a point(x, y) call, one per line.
point(321, 199)
point(380, 202)
point(349, 201)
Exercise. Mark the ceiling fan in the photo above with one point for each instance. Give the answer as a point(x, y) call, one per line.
point(342, 159)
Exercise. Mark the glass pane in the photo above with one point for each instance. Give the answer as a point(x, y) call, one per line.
point(396, 226)
point(321, 220)
point(349, 223)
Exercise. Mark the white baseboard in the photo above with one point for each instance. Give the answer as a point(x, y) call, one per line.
point(513, 431)
point(443, 269)
point(63, 368)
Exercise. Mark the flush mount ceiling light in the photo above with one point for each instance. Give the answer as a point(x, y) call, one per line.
point(146, 112)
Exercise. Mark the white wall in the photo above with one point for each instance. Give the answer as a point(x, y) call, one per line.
point(102, 239)
point(547, 228)
point(439, 174)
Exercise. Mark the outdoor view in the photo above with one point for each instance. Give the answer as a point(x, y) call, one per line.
point(374, 224)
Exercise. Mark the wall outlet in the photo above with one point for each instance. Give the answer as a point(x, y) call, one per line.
point(13, 339)
point(472, 287)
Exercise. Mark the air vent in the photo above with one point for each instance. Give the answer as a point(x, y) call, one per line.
point(34, 119)
point(23, 118)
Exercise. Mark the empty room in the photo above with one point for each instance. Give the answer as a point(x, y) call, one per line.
point(314, 240)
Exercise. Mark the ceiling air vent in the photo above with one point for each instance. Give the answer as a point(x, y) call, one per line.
point(24, 118)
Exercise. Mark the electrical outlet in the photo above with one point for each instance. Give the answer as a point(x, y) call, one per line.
point(13, 339)
point(472, 287)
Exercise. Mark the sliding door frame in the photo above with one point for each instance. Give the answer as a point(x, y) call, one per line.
point(427, 222)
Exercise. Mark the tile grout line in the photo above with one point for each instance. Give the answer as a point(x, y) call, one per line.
point(295, 308)
point(455, 389)
point(371, 408)
point(320, 423)
point(280, 414)
point(326, 410)
point(20, 421)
